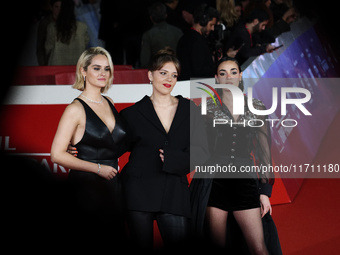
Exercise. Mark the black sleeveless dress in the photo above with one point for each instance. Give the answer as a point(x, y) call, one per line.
point(94, 195)
point(237, 146)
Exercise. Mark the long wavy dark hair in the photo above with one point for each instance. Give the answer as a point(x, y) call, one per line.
point(66, 23)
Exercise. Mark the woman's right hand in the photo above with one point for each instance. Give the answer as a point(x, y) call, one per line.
point(107, 172)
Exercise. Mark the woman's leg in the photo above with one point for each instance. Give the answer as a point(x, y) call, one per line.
point(140, 226)
point(251, 226)
point(174, 229)
point(216, 220)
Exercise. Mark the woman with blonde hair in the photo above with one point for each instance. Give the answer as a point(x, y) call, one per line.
point(226, 8)
point(92, 124)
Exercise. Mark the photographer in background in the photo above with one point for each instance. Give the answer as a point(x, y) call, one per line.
point(217, 39)
point(193, 49)
point(242, 36)
point(158, 37)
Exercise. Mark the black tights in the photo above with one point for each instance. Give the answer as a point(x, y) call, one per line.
point(173, 228)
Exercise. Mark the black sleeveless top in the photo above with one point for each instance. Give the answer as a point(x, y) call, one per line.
point(98, 144)
point(95, 200)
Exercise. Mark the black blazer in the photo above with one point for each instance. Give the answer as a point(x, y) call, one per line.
point(149, 184)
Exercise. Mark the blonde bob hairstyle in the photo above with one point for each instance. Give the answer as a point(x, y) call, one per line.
point(85, 60)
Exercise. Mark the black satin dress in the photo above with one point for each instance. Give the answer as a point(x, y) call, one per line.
point(94, 195)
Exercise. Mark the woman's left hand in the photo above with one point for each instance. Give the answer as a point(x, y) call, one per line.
point(72, 150)
point(265, 205)
point(161, 154)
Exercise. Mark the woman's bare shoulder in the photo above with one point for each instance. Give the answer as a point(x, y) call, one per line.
point(74, 109)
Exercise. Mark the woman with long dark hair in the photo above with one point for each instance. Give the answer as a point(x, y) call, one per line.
point(244, 195)
point(67, 38)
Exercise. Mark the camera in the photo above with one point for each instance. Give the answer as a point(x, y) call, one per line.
point(217, 40)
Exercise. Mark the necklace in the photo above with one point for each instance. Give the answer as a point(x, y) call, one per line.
point(97, 102)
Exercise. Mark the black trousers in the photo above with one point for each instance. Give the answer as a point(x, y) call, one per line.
point(174, 229)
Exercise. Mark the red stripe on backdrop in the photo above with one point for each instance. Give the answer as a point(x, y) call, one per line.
point(30, 129)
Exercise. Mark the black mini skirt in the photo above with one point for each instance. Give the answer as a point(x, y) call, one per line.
point(234, 194)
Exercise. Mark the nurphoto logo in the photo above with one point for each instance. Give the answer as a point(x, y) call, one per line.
point(238, 103)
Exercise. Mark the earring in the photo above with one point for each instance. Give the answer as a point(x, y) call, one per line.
point(84, 78)
point(150, 82)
